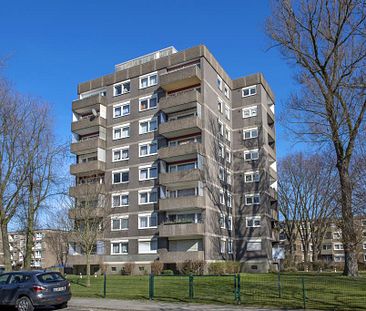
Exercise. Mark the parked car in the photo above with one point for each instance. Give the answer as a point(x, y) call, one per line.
point(29, 289)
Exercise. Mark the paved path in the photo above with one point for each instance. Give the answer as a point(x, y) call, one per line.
point(95, 304)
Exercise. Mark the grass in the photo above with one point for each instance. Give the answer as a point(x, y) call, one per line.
point(324, 291)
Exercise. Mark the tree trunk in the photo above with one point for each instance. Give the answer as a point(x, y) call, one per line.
point(6, 246)
point(29, 239)
point(87, 269)
point(349, 234)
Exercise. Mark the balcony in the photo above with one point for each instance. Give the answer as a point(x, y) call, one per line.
point(181, 152)
point(86, 104)
point(91, 167)
point(180, 101)
point(80, 259)
point(173, 257)
point(182, 203)
point(273, 194)
point(88, 125)
point(179, 177)
point(181, 78)
point(88, 146)
point(181, 127)
point(181, 230)
point(89, 212)
point(86, 189)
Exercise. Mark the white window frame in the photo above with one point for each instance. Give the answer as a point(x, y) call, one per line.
point(251, 152)
point(148, 121)
point(148, 167)
point(253, 112)
point(339, 245)
point(120, 172)
point(147, 240)
point(219, 82)
point(121, 105)
point(148, 77)
point(254, 241)
point(255, 177)
point(253, 133)
point(121, 126)
point(226, 91)
point(120, 199)
point(250, 89)
point(123, 88)
point(149, 143)
point(229, 246)
point(121, 149)
point(253, 196)
point(149, 215)
point(253, 219)
point(222, 246)
point(227, 112)
point(148, 191)
point(364, 245)
point(148, 98)
point(120, 222)
point(119, 242)
point(220, 105)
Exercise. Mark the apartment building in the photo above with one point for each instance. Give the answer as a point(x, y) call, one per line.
point(43, 254)
point(186, 156)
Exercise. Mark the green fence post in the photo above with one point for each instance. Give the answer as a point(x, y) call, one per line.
point(151, 286)
point(303, 292)
point(238, 290)
point(235, 291)
point(279, 282)
point(191, 293)
point(105, 285)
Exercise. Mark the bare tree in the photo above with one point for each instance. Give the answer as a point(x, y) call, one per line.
point(18, 136)
point(307, 201)
point(90, 215)
point(326, 40)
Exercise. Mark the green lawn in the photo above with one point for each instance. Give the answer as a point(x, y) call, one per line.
point(323, 291)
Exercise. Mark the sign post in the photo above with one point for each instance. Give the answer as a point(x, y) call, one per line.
point(278, 253)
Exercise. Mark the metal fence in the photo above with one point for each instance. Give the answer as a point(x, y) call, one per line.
point(295, 291)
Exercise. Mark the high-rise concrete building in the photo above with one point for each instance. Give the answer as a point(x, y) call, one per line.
point(187, 157)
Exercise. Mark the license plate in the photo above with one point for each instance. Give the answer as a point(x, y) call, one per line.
point(59, 289)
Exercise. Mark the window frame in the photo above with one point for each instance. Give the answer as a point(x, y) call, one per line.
point(253, 112)
point(123, 88)
point(120, 222)
point(121, 172)
point(121, 149)
point(253, 219)
point(148, 167)
point(254, 241)
point(148, 121)
point(120, 248)
point(253, 179)
point(121, 105)
point(251, 87)
point(251, 152)
point(148, 143)
point(121, 126)
point(253, 196)
point(148, 191)
point(250, 131)
point(148, 77)
point(155, 240)
point(149, 215)
point(120, 194)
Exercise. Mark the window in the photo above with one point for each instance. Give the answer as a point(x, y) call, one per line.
point(119, 223)
point(149, 102)
point(187, 192)
point(221, 151)
point(251, 155)
point(121, 176)
point(254, 245)
point(253, 221)
point(148, 221)
point(249, 91)
point(227, 134)
point(148, 80)
point(121, 110)
point(229, 198)
point(249, 112)
point(148, 172)
point(227, 112)
point(120, 199)
point(364, 245)
point(336, 235)
point(182, 167)
point(120, 154)
point(220, 105)
point(226, 91)
point(147, 149)
point(220, 128)
point(121, 131)
point(251, 177)
point(121, 88)
point(338, 246)
point(148, 196)
point(219, 82)
point(119, 247)
point(228, 155)
point(339, 258)
point(230, 246)
point(250, 133)
point(226, 222)
point(147, 126)
point(148, 246)
point(251, 199)
point(327, 247)
point(223, 246)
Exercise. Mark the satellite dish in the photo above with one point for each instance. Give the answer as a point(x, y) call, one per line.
point(94, 112)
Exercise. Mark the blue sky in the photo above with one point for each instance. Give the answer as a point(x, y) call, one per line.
point(50, 46)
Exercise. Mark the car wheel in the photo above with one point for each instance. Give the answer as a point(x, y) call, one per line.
point(24, 304)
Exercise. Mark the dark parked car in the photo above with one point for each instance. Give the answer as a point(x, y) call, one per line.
point(29, 289)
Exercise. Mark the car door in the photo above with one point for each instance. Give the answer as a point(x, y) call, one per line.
point(13, 287)
point(3, 281)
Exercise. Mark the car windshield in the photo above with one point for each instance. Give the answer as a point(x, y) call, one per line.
point(50, 277)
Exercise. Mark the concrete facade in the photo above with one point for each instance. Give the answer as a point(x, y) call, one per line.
point(185, 132)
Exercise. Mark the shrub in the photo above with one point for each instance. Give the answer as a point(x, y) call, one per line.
point(157, 267)
point(128, 268)
point(232, 267)
point(191, 267)
point(317, 265)
point(167, 272)
point(217, 268)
